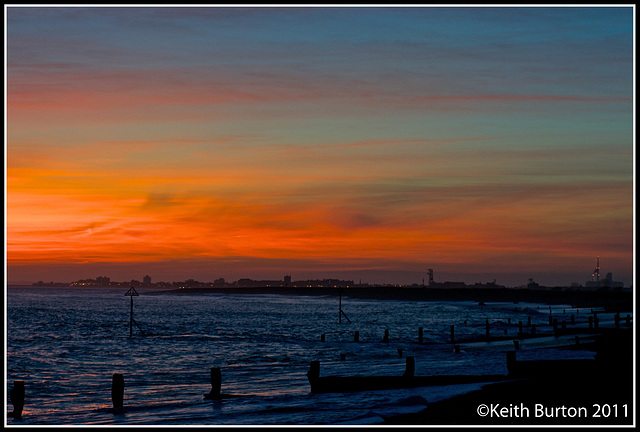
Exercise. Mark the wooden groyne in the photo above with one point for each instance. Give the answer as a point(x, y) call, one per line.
point(560, 324)
point(613, 357)
point(549, 368)
point(328, 384)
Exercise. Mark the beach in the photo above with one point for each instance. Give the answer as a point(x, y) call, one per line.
point(533, 402)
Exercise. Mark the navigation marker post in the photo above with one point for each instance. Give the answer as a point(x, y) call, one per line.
point(341, 312)
point(132, 292)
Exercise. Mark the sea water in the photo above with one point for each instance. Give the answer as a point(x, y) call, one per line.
point(66, 344)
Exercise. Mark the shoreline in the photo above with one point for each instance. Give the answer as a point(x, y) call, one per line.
point(612, 300)
point(531, 402)
point(551, 393)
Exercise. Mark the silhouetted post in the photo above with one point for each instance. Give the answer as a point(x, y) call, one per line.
point(529, 321)
point(343, 356)
point(322, 337)
point(590, 322)
point(555, 326)
point(17, 398)
point(452, 333)
point(400, 352)
point(420, 334)
point(456, 348)
point(617, 319)
point(385, 339)
point(516, 344)
point(117, 390)
point(356, 336)
point(131, 319)
point(216, 384)
point(564, 325)
point(533, 329)
point(132, 292)
point(486, 329)
point(511, 362)
point(519, 327)
point(340, 311)
point(596, 321)
point(573, 319)
point(410, 368)
point(509, 320)
point(314, 370)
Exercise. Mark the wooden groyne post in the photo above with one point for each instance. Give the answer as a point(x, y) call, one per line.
point(410, 367)
point(17, 398)
point(385, 339)
point(452, 329)
point(420, 334)
point(519, 328)
point(511, 362)
point(314, 370)
point(117, 391)
point(486, 325)
point(216, 384)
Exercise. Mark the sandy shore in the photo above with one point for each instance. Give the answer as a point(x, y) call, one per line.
point(533, 402)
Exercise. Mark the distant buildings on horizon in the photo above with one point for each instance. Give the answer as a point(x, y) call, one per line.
point(287, 282)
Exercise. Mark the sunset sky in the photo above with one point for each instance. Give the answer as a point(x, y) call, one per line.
point(366, 143)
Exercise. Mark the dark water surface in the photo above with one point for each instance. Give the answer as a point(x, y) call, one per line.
point(66, 344)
